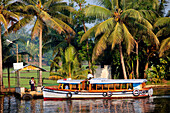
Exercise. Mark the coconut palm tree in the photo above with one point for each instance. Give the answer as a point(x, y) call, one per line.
point(7, 18)
point(162, 25)
point(46, 14)
point(70, 66)
point(115, 29)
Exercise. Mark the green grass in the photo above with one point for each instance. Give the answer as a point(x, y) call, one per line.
point(25, 82)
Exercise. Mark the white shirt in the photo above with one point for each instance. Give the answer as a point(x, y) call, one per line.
point(89, 75)
point(32, 82)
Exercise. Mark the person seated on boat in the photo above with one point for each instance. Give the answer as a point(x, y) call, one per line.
point(89, 76)
point(66, 87)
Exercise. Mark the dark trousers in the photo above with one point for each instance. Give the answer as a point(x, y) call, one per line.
point(32, 87)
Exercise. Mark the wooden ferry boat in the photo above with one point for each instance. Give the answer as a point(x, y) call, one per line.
point(98, 88)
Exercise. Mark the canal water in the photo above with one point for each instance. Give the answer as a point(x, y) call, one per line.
point(159, 103)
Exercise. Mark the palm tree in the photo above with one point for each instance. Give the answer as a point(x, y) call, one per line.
point(70, 66)
point(165, 45)
point(48, 14)
point(114, 30)
point(7, 18)
point(162, 26)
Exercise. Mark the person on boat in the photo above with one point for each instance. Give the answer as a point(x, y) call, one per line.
point(89, 76)
point(32, 84)
point(66, 87)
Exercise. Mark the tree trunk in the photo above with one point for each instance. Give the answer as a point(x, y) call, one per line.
point(1, 79)
point(137, 61)
point(147, 63)
point(40, 57)
point(122, 61)
point(89, 63)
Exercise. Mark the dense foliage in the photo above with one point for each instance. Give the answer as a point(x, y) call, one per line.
point(132, 36)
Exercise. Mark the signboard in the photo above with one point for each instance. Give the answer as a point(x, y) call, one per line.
point(18, 65)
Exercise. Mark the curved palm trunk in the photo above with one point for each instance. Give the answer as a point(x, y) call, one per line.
point(122, 61)
point(1, 79)
point(137, 61)
point(40, 58)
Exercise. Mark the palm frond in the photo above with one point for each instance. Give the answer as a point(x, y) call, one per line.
point(65, 26)
point(152, 37)
point(50, 22)
point(106, 3)
point(88, 33)
point(10, 14)
point(128, 39)
point(23, 22)
point(63, 17)
point(100, 45)
point(30, 2)
point(116, 36)
point(2, 20)
point(165, 45)
point(163, 32)
point(47, 4)
point(131, 13)
point(161, 22)
point(98, 12)
point(149, 15)
point(36, 29)
point(105, 26)
point(60, 8)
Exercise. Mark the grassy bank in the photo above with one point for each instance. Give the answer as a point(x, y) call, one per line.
point(25, 82)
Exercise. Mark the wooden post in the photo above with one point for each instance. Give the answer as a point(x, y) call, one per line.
point(79, 86)
point(96, 86)
point(114, 86)
point(120, 86)
point(89, 87)
point(70, 86)
point(18, 79)
point(17, 52)
point(102, 87)
point(108, 86)
point(8, 77)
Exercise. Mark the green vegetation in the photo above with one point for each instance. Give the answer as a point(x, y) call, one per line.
point(130, 35)
point(25, 82)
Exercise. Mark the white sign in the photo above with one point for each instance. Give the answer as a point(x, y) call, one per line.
point(18, 65)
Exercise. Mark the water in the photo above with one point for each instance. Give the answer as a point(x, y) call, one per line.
point(156, 104)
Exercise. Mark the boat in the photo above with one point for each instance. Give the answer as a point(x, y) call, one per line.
point(97, 88)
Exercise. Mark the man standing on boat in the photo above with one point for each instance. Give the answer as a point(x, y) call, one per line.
point(89, 76)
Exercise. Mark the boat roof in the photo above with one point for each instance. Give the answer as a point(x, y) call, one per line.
point(62, 81)
point(118, 81)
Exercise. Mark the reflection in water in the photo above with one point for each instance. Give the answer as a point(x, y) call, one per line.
point(9, 104)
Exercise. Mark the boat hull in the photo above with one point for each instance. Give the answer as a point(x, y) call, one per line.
point(54, 94)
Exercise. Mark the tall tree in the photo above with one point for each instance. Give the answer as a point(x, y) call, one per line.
point(7, 18)
point(114, 30)
point(48, 14)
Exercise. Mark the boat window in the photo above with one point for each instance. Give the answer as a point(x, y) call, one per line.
point(105, 87)
point(75, 87)
point(117, 86)
point(111, 86)
point(99, 87)
point(130, 86)
point(124, 86)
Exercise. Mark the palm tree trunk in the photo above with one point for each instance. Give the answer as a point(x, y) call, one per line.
point(89, 63)
point(40, 57)
point(122, 61)
point(137, 61)
point(1, 79)
point(147, 63)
